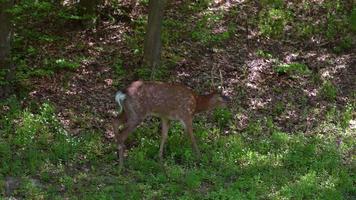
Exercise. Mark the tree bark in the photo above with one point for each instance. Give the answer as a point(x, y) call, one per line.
point(6, 66)
point(152, 44)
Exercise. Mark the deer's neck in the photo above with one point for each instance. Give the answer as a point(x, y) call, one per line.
point(203, 103)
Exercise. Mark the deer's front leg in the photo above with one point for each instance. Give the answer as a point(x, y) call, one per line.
point(165, 127)
point(189, 129)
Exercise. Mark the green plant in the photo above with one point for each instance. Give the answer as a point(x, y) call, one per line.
point(254, 128)
point(272, 22)
point(222, 116)
point(278, 108)
point(196, 6)
point(172, 32)
point(66, 64)
point(136, 39)
point(32, 189)
point(328, 91)
point(35, 139)
point(118, 68)
point(234, 166)
point(155, 73)
point(346, 116)
point(204, 33)
point(352, 19)
point(305, 29)
point(316, 78)
point(345, 44)
point(143, 2)
point(292, 68)
point(263, 54)
point(337, 22)
point(272, 3)
point(91, 146)
point(2, 77)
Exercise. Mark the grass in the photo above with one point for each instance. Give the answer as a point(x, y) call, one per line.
point(328, 91)
point(49, 163)
point(203, 30)
point(261, 162)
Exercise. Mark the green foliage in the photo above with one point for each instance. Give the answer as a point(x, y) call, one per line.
point(337, 28)
point(305, 29)
point(203, 31)
point(264, 54)
point(172, 32)
point(196, 6)
point(254, 128)
point(338, 25)
point(272, 22)
point(235, 166)
point(328, 91)
point(34, 139)
point(352, 19)
point(292, 68)
point(63, 64)
point(340, 117)
point(118, 68)
point(31, 190)
point(155, 73)
point(135, 40)
point(49, 68)
point(222, 116)
point(260, 162)
point(3, 73)
point(272, 3)
point(29, 18)
point(278, 108)
point(346, 43)
point(346, 116)
point(143, 2)
point(91, 146)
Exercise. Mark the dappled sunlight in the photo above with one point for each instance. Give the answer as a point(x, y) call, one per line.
point(243, 68)
point(287, 68)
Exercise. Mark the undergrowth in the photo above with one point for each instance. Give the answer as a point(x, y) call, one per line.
point(50, 163)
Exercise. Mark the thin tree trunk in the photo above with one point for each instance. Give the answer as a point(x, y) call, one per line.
point(152, 45)
point(6, 66)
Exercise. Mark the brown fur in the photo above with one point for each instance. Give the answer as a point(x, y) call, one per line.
point(164, 100)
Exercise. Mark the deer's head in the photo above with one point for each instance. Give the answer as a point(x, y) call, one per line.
point(218, 100)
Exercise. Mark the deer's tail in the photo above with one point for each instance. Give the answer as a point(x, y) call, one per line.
point(119, 98)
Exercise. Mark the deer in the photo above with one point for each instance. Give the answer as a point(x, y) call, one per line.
point(168, 101)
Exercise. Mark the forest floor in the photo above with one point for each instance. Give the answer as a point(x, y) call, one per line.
point(242, 66)
point(292, 126)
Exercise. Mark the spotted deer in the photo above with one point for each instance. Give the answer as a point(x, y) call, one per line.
point(165, 100)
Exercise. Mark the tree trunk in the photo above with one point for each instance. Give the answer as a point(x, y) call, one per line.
point(152, 45)
point(6, 66)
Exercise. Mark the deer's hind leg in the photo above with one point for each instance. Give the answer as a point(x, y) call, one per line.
point(118, 122)
point(129, 127)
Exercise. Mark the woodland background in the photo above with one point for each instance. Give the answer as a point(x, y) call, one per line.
point(288, 66)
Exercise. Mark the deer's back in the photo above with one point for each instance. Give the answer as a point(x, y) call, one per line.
point(173, 101)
